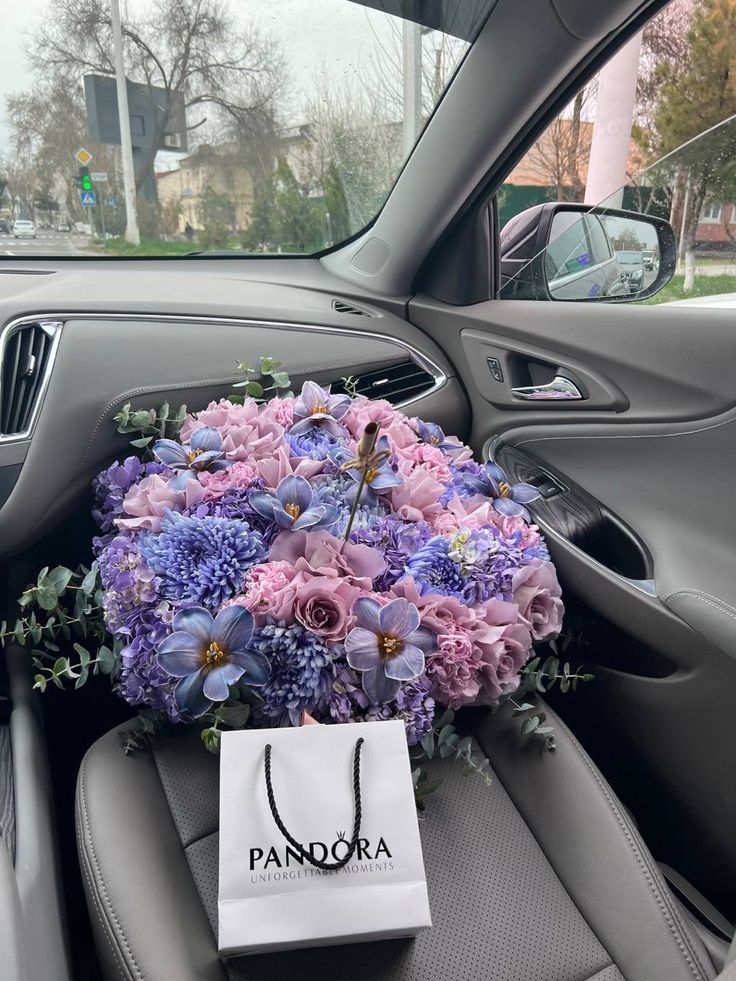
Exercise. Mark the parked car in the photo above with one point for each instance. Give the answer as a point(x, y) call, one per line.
point(647, 258)
point(64, 225)
point(23, 228)
point(631, 266)
point(4, 227)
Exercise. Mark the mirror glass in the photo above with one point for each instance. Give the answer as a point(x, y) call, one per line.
point(599, 255)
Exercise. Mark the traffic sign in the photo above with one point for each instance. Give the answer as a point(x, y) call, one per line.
point(88, 199)
point(99, 176)
point(83, 156)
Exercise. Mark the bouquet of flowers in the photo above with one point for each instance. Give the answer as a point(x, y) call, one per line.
point(322, 554)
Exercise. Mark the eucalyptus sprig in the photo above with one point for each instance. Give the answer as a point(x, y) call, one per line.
point(265, 382)
point(445, 742)
point(151, 424)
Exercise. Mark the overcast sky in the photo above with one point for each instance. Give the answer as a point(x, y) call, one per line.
point(339, 34)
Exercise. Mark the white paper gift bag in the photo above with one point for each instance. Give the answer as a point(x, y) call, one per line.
point(271, 896)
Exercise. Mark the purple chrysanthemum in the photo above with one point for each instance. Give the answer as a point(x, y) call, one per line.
point(130, 587)
point(338, 490)
point(111, 486)
point(301, 672)
point(433, 569)
point(202, 560)
point(315, 443)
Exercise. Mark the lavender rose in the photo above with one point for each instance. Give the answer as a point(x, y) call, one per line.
point(537, 593)
point(323, 606)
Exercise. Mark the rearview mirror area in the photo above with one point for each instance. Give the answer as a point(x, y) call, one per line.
point(562, 251)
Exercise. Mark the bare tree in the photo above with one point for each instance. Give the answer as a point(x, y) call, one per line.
point(192, 49)
point(560, 155)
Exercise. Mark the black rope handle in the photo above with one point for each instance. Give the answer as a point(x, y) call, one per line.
point(318, 863)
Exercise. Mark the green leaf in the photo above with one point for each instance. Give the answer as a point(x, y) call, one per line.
point(281, 379)
point(141, 443)
point(39, 682)
point(234, 716)
point(447, 717)
point(520, 709)
point(60, 577)
point(19, 633)
point(254, 389)
point(529, 725)
point(105, 660)
point(427, 743)
point(211, 739)
point(90, 580)
point(46, 597)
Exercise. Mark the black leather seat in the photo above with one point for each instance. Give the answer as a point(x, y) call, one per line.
point(539, 877)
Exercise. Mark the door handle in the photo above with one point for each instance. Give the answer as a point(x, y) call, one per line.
point(559, 388)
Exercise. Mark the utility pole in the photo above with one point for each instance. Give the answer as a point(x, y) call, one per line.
point(412, 84)
point(614, 116)
point(132, 234)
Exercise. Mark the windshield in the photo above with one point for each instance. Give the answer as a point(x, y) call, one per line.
point(252, 126)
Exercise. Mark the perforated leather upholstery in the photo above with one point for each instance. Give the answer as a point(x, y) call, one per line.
point(515, 896)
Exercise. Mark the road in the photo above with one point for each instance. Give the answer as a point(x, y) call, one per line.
point(47, 242)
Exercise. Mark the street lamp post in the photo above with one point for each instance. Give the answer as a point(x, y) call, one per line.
point(132, 234)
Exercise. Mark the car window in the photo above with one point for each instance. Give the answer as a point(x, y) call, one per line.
point(674, 161)
point(253, 128)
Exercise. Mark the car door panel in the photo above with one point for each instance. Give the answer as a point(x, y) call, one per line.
point(659, 458)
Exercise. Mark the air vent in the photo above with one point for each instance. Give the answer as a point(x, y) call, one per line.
point(26, 360)
point(399, 383)
point(341, 306)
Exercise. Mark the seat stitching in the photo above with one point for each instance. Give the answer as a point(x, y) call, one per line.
point(670, 914)
point(93, 896)
point(698, 594)
point(684, 432)
point(105, 897)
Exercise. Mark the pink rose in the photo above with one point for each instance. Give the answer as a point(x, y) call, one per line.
point(323, 606)
point(273, 469)
point(393, 424)
point(280, 411)
point(146, 502)
point(537, 593)
point(318, 553)
point(504, 645)
point(442, 614)
point(270, 591)
point(418, 498)
point(216, 482)
point(254, 440)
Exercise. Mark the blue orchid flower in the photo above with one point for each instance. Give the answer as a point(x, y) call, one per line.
point(379, 478)
point(294, 505)
point(508, 499)
point(203, 452)
point(433, 435)
point(316, 407)
point(208, 654)
point(387, 646)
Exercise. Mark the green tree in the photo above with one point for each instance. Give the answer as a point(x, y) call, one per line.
point(260, 233)
point(297, 224)
point(216, 216)
point(336, 205)
point(693, 96)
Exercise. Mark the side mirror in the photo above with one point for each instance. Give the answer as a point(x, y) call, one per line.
point(562, 251)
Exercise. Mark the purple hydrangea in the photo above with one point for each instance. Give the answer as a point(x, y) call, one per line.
point(301, 672)
point(142, 680)
point(130, 587)
point(202, 560)
point(347, 702)
point(111, 486)
point(471, 565)
point(338, 491)
point(396, 540)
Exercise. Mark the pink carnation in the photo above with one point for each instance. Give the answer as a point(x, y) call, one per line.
point(223, 416)
point(146, 502)
point(318, 553)
point(537, 592)
point(434, 461)
point(280, 411)
point(393, 424)
point(217, 482)
point(270, 592)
